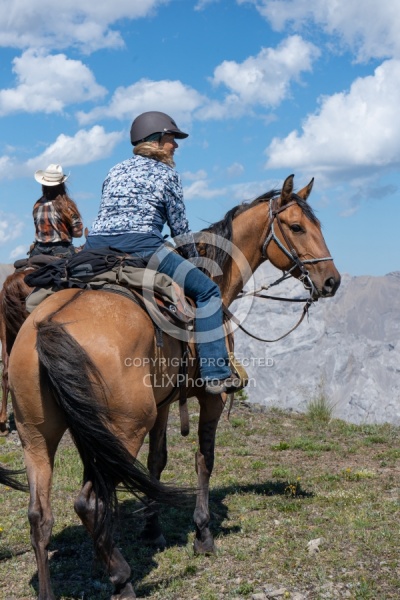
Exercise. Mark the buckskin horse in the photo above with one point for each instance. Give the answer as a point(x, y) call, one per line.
point(68, 369)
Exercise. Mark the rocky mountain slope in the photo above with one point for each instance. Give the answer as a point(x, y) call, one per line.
point(5, 270)
point(348, 350)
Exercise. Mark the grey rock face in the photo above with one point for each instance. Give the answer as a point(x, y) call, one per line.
point(348, 349)
point(5, 271)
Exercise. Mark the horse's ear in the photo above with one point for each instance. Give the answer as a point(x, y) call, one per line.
point(287, 190)
point(86, 232)
point(306, 191)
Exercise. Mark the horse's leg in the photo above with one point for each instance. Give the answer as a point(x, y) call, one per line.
point(4, 398)
point(211, 408)
point(4, 389)
point(118, 569)
point(40, 426)
point(156, 463)
point(85, 505)
point(39, 460)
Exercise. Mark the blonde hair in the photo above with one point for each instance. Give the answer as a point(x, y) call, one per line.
point(154, 151)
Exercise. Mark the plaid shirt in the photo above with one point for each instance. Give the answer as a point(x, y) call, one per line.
point(51, 227)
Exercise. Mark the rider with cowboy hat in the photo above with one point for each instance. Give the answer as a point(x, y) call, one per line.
point(56, 217)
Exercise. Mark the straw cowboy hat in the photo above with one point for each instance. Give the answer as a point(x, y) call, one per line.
point(53, 175)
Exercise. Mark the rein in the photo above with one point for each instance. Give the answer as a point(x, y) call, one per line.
point(307, 305)
point(290, 252)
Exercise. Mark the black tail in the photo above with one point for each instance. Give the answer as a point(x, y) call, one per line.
point(9, 478)
point(74, 380)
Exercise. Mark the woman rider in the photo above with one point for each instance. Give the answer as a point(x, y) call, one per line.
point(139, 196)
point(55, 215)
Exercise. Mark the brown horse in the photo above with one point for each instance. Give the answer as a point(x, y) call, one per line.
point(12, 315)
point(68, 369)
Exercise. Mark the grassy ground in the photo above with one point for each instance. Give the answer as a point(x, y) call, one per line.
point(280, 481)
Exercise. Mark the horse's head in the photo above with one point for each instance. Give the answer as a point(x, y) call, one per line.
point(280, 227)
point(294, 242)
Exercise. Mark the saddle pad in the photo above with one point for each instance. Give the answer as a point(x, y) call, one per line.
point(154, 287)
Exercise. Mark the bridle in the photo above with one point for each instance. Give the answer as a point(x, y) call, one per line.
point(298, 263)
point(290, 251)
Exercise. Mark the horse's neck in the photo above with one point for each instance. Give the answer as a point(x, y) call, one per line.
point(249, 232)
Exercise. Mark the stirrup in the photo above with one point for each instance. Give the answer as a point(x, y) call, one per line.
point(236, 381)
point(229, 385)
point(238, 370)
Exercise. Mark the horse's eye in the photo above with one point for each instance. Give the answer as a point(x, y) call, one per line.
point(296, 228)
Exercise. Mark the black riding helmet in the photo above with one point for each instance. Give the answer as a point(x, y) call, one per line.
point(152, 122)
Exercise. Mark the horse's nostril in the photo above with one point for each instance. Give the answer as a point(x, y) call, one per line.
point(330, 286)
point(330, 282)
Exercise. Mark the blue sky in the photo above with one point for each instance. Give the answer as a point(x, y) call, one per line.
point(265, 88)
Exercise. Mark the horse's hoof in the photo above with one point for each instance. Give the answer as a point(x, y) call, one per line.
point(127, 593)
point(4, 428)
point(204, 542)
point(204, 548)
point(152, 534)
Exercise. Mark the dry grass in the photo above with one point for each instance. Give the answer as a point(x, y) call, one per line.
point(279, 481)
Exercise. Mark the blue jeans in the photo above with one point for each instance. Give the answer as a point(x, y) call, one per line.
point(60, 249)
point(209, 332)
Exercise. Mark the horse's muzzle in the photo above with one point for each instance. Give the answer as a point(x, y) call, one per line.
point(328, 288)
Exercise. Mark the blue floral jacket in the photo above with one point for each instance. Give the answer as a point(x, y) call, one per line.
point(140, 195)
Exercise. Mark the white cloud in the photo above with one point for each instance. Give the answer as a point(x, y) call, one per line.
point(249, 190)
point(174, 97)
point(235, 169)
point(232, 107)
point(265, 78)
point(44, 23)
point(10, 227)
point(47, 83)
point(200, 189)
point(201, 4)
point(353, 131)
point(238, 192)
point(262, 80)
point(190, 176)
point(7, 168)
point(370, 28)
point(84, 147)
point(18, 252)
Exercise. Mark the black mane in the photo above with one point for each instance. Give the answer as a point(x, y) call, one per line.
point(223, 228)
